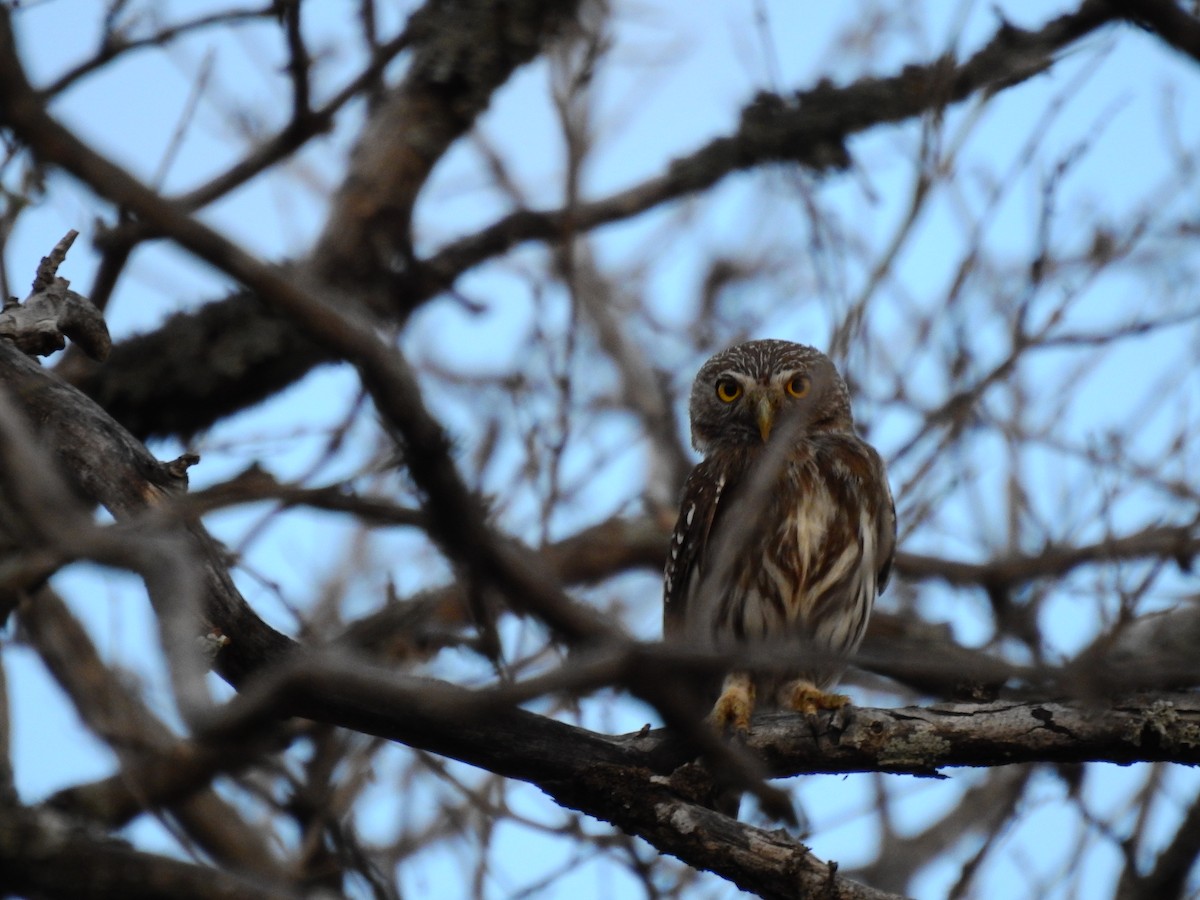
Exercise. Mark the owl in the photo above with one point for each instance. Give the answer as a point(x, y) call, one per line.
point(786, 529)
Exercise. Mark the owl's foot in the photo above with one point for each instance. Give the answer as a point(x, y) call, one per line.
point(735, 706)
point(805, 697)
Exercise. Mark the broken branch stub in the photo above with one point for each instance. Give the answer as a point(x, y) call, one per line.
point(53, 312)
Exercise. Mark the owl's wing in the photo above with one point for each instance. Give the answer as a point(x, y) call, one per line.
point(697, 512)
point(886, 526)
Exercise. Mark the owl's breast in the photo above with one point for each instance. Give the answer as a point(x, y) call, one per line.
point(811, 568)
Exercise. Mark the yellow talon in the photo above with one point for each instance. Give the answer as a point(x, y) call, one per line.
point(735, 706)
point(807, 698)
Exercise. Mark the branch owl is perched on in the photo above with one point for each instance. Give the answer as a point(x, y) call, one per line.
point(787, 525)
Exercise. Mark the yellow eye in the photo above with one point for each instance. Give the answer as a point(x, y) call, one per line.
point(798, 385)
point(728, 390)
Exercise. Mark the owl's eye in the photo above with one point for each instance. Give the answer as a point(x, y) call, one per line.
point(798, 386)
point(728, 390)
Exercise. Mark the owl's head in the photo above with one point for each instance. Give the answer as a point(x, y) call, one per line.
point(742, 394)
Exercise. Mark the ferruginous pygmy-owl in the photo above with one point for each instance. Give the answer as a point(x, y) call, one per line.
point(787, 526)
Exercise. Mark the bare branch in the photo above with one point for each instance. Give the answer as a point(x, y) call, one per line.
point(1166, 20)
point(52, 312)
point(45, 855)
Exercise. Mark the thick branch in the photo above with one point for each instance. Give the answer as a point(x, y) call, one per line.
point(626, 780)
point(113, 469)
point(605, 777)
point(464, 50)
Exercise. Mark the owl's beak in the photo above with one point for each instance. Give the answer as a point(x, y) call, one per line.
point(764, 414)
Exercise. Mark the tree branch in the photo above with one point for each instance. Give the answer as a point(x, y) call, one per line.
point(41, 854)
point(365, 240)
point(1164, 17)
point(627, 780)
point(809, 127)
